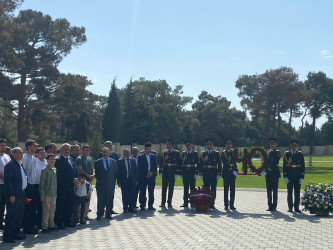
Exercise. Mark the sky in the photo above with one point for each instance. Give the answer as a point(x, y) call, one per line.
point(200, 44)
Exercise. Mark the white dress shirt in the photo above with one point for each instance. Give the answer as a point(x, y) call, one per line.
point(4, 159)
point(39, 166)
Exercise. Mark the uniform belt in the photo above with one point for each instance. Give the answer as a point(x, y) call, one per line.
point(294, 166)
point(188, 166)
point(210, 166)
point(171, 164)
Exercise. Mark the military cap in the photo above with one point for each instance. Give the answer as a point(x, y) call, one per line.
point(209, 141)
point(169, 140)
point(294, 142)
point(188, 142)
point(272, 139)
point(228, 140)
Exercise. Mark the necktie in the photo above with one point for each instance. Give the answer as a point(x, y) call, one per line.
point(107, 163)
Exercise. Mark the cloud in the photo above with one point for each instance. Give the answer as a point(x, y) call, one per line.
point(325, 53)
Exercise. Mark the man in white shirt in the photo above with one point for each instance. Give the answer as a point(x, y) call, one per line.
point(4, 159)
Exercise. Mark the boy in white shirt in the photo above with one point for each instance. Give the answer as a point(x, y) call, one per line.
point(83, 192)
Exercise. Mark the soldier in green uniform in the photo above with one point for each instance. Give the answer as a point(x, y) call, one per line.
point(210, 167)
point(189, 173)
point(272, 174)
point(169, 170)
point(293, 174)
point(229, 173)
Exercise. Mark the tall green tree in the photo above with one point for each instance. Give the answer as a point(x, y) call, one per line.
point(34, 46)
point(112, 118)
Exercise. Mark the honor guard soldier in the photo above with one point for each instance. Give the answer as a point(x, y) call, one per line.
point(189, 171)
point(293, 174)
point(210, 167)
point(169, 170)
point(229, 173)
point(272, 174)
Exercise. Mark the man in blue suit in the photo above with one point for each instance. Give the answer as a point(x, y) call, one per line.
point(147, 176)
point(127, 181)
point(106, 175)
point(15, 185)
point(112, 155)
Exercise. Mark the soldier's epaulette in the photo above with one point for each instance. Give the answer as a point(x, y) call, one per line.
point(299, 151)
point(176, 150)
point(194, 151)
point(277, 150)
point(165, 150)
point(286, 152)
point(216, 151)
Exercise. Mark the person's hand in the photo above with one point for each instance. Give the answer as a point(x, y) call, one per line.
point(119, 185)
point(42, 199)
point(76, 181)
point(235, 173)
point(176, 175)
point(286, 180)
point(300, 180)
point(195, 177)
point(218, 177)
point(12, 199)
point(161, 175)
point(149, 174)
point(201, 177)
point(263, 173)
point(91, 177)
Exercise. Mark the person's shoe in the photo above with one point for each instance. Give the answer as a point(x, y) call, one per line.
point(113, 212)
point(142, 209)
point(298, 211)
point(98, 218)
point(20, 237)
point(125, 211)
point(83, 221)
point(269, 209)
point(30, 231)
point(136, 207)
point(71, 224)
point(232, 207)
point(46, 230)
point(151, 208)
point(53, 228)
point(87, 218)
point(290, 210)
point(131, 210)
point(162, 205)
point(212, 206)
point(89, 210)
point(184, 205)
point(108, 217)
point(8, 240)
point(169, 205)
point(273, 209)
point(226, 208)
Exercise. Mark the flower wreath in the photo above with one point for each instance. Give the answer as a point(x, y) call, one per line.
point(247, 160)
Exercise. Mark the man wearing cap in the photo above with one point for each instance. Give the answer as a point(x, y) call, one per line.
point(147, 175)
point(293, 174)
point(272, 174)
point(210, 167)
point(229, 173)
point(189, 171)
point(170, 165)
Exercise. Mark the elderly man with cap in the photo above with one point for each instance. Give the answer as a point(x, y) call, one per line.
point(210, 167)
point(272, 174)
point(189, 171)
point(170, 165)
point(229, 173)
point(293, 174)
point(147, 175)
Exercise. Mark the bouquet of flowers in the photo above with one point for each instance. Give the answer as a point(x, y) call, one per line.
point(318, 198)
point(201, 198)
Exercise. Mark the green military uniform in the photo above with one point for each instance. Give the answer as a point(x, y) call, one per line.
point(294, 173)
point(210, 168)
point(170, 165)
point(189, 171)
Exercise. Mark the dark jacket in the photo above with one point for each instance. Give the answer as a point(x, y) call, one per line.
point(272, 168)
point(105, 178)
point(13, 179)
point(143, 166)
point(122, 173)
point(210, 162)
point(65, 174)
point(293, 165)
point(229, 164)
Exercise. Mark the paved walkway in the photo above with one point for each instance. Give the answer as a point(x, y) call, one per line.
point(249, 227)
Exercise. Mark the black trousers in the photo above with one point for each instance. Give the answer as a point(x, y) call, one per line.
point(294, 185)
point(168, 181)
point(188, 182)
point(64, 208)
point(144, 183)
point(272, 184)
point(14, 217)
point(104, 201)
point(229, 183)
point(2, 202)
point(128, 194)
point(209, 179)
point(136, 194)
point(79, 201)
point(33, 210)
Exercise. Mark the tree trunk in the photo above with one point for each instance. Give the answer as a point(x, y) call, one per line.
point(289, 123)
point(312, 141)
point(21, 126)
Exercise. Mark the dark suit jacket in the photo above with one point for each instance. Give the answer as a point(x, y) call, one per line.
point(13, 179)
point(105, 178)
point(65, 174)
point(143, 165)
point(122, 173)
point(113, 155)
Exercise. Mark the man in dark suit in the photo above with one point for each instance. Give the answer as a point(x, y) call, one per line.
point(105, 174)
point(112, 155)
point(293, 174)
point(127, 181)
point(66, 179)
point(147, 176)
point(15, 184)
